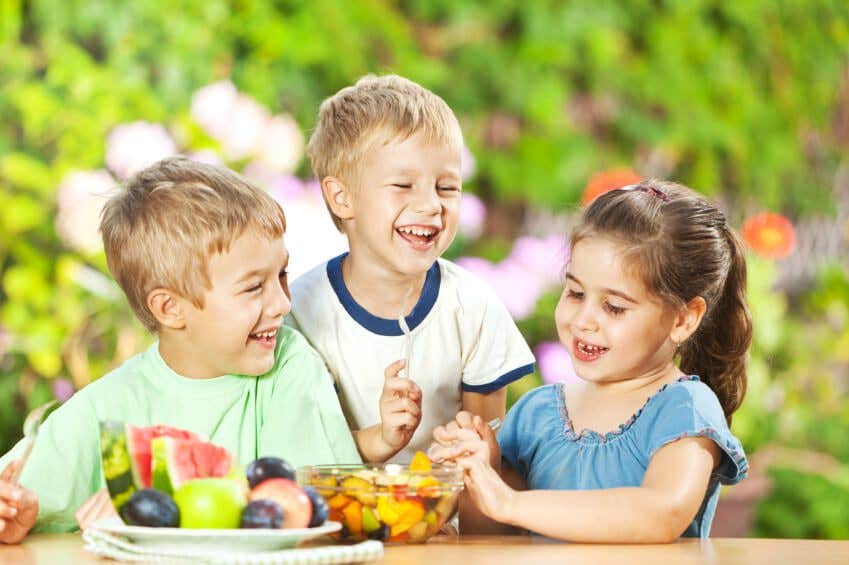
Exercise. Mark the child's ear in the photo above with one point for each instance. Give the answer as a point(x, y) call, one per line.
point(166, 307)
point(688, 319)
point(338, 197)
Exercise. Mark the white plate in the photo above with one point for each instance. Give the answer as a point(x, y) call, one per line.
point(204, 542)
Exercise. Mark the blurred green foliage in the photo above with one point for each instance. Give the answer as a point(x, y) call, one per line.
point(737, 99)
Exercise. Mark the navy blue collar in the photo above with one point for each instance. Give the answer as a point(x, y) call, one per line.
point(374, 324)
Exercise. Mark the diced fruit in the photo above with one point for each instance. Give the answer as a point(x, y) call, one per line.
point(361, 489)
point(388, 510)
point(319, 507)
point(418, 532)
point(354, 517)
point(210, 503)
point(297, 508)
point(148, 507)
point(269, 468)
point(381, 533)
point(428, 487)
point(176, 461)
point(420, 462)
point(262, 514)
point(338, 502)
point(319, 482)
point(370, 521)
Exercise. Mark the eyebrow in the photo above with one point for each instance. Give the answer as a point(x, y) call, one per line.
point(414, 172)
point(612, 291)
point(260, 272)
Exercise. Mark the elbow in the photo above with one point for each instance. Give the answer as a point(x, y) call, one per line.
point(671, 521)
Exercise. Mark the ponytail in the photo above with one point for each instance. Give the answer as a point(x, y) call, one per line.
point(717, 351)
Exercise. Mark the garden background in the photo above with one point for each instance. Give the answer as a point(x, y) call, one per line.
point(746, 101)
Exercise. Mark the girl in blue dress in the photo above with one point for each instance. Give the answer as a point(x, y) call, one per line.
point(655, 319)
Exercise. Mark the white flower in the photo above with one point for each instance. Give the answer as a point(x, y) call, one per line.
point(282, 145)
point(247, 120)
point(80, 199)
point(206, 156)
point(132, 147)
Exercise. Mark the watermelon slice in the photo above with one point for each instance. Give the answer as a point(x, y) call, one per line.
point(176, 461)
point(125, 453)
point(138, 444)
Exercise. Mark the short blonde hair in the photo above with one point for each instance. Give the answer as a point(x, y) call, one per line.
point(351, 120)
point(162, 228)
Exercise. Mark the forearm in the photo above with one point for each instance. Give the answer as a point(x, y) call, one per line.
point(371, 445)
point(621, 515)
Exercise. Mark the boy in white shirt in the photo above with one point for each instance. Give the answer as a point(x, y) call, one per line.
point(387, 153)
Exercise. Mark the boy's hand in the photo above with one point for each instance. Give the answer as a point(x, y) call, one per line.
point(18, 507)
point(99, 505)
point(400, 407)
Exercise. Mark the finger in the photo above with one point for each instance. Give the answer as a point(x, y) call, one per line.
point(402, 386)
point(391, 372)
point(403, 405)
point(10, 492)
point(465, 419)
point(7, 511)
point(10, 470)
point(401, 420)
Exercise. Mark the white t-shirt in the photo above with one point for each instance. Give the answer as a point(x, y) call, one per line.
point(463, 339)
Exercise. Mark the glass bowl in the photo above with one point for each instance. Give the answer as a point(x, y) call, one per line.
point(387, 502)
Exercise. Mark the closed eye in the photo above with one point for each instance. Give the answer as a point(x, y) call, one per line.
point(614, 310)
point(254, 288)
point(448, 188)
point(574, 294)
point(402, 185)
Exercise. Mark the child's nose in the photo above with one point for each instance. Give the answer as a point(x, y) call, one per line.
point(427, 201)
point(585, 318)
point(278, 304)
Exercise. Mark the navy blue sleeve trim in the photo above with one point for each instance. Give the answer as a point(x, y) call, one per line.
point(501, 381)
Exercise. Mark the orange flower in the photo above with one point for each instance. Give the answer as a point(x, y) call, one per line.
point(770, 235)
point(606, 181)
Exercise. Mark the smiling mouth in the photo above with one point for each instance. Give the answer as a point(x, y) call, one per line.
point(266, 337)
point(586, 352)
point(420, 237)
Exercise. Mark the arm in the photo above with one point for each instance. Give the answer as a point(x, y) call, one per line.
point(400, 414)
point(657, 511)
point(18, 507)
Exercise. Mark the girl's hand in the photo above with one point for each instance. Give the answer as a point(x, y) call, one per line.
point(488, 491)
point(465, 426)
point(99, 505)
point(18, 507)
point(400, 408)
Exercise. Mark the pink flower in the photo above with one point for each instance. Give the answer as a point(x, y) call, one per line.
point(5, 341)
point(247, 121)
point(80, 198)
point(468, 166)
point(512, 284)
point(472, 216)
point(211, 106)
point(63, 389)
point(542, 257)
point(206, 156)
point(281, 146)
point(554, 362)
point(132, 147)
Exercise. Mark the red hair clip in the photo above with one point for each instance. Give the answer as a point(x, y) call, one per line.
point(657, 193)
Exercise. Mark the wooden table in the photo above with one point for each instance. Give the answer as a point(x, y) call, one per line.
point(481, 550)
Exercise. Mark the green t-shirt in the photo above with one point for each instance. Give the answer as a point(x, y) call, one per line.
point(290, 412)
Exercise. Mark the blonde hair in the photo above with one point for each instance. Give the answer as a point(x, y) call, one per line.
point(375, 109)
point(169, 219)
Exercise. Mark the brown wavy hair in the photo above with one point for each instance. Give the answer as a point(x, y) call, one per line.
point(681, 247)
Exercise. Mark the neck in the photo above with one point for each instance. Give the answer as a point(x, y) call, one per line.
point(179, 357)
point(380, 291)
point(648, 382)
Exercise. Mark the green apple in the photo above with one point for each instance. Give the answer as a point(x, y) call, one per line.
point(211, 503)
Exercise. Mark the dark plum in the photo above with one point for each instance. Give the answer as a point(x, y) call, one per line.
point(269, 468)
point(319, 507)
point(262, 514)
point(382, 533)
point(152, 508)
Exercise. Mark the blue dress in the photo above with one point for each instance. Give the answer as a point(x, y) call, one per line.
point(538, 441)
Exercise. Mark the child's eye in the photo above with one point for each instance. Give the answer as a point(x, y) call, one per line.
point(614, 310)
point(254, 288)
point(448, 188)
point(574, 294)
point(402, 185)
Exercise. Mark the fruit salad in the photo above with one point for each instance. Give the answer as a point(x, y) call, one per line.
point(390, 502)
point(164, 477)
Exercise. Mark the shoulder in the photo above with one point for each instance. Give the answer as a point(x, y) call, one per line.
point(471, 292)
point(692, 399)
point(307, 283)
point(293, 346)
point(542, 398)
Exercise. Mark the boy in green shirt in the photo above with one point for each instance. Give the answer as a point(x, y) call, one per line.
point(199, 253)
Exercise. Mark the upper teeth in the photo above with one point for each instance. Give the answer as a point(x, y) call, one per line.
point(587, 348)
point(266, 335)
point(417, 230)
